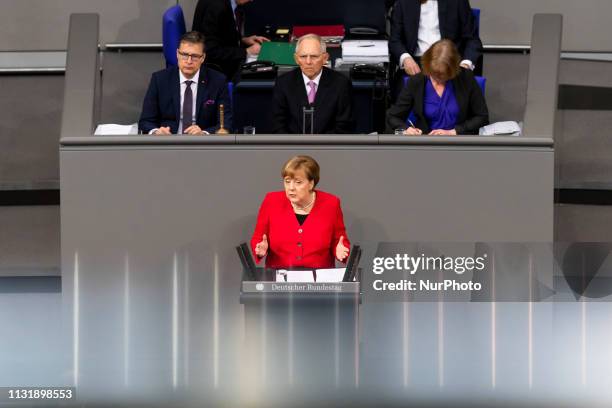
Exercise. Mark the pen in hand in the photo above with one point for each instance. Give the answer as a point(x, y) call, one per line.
point(416, 130)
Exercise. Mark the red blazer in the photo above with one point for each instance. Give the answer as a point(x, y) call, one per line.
point(310, 245)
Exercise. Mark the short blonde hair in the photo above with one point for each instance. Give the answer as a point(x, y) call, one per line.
point(442, 60)
point(306, 163)
point(311, 37)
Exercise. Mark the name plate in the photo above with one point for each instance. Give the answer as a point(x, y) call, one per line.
point(300, 287)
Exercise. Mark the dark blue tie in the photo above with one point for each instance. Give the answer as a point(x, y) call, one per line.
point(187, 107)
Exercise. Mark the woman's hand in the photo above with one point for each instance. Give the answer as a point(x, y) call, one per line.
point(341, 250)
point(412, 131)
point(442, 132)
point(261, 249)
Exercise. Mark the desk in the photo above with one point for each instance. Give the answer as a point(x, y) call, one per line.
point(252, 101)
point(154, 222)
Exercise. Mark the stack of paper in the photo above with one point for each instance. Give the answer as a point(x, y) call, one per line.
point(322, 275)
point(365, 51)
point(283, 275)
point(112, 129)
point(508, 128)
point(330, 275)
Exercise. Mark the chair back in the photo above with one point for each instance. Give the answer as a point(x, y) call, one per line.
point(173, 27)
point(476, 15)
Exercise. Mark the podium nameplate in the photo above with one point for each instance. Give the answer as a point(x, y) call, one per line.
point(300, 287)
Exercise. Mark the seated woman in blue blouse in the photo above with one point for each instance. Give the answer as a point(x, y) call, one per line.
point(445, 99)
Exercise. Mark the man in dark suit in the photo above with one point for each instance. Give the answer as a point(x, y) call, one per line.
point(417, 24)
point(220, 21)
point(186, 99)
point(312, 86)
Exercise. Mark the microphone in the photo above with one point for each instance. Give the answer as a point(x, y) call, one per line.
point(308, 113)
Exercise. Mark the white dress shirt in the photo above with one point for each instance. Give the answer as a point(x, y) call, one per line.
point(429, 27)
point(194, 91)
point(429, 32)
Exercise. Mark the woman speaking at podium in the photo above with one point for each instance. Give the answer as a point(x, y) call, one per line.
point(300, 227)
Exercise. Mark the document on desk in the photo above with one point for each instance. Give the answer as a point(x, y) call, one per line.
point(330, 275)
point(508, 128)
point(113, 129)
point(367, 51)
point(283, 275)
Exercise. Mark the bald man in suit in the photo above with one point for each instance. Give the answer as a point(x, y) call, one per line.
point(312, 85)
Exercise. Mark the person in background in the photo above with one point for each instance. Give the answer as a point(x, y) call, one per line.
point(300, 226)
point(222, 22)
point(445, 99)
point(417, 24)
point(312, 85)
point(186, 99)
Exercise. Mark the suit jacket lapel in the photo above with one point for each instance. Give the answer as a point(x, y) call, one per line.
point(461, 96)
point(202, 92)
point(419, 101)
point(322, 90)
point(302, 97)
point(299, 79)
point(442, 12)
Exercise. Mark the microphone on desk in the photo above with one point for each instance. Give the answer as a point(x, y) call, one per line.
point(308, 116)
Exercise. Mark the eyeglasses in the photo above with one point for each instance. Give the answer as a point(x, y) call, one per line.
point(305, 57)
point(185, 56)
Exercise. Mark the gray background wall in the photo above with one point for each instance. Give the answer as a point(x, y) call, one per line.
point(43, 24)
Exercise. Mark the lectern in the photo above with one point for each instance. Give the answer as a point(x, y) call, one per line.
point(301, 332)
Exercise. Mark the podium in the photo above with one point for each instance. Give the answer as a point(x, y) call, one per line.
point(301, 332)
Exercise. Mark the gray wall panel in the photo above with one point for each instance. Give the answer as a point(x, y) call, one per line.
point(29, 241)
point(583, 223)
point(585, 26)
point(30, 120)
point(43, 24)
point(506, 89)
point(584, 149)
point(124, 83)
point(586, 73)
point(583, 140)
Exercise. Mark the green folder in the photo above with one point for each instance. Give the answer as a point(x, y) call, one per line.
point(281, 53)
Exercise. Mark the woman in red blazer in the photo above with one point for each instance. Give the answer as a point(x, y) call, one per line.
point(301, 226)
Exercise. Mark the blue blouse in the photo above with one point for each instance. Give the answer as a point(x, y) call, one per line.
point(441, 112)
